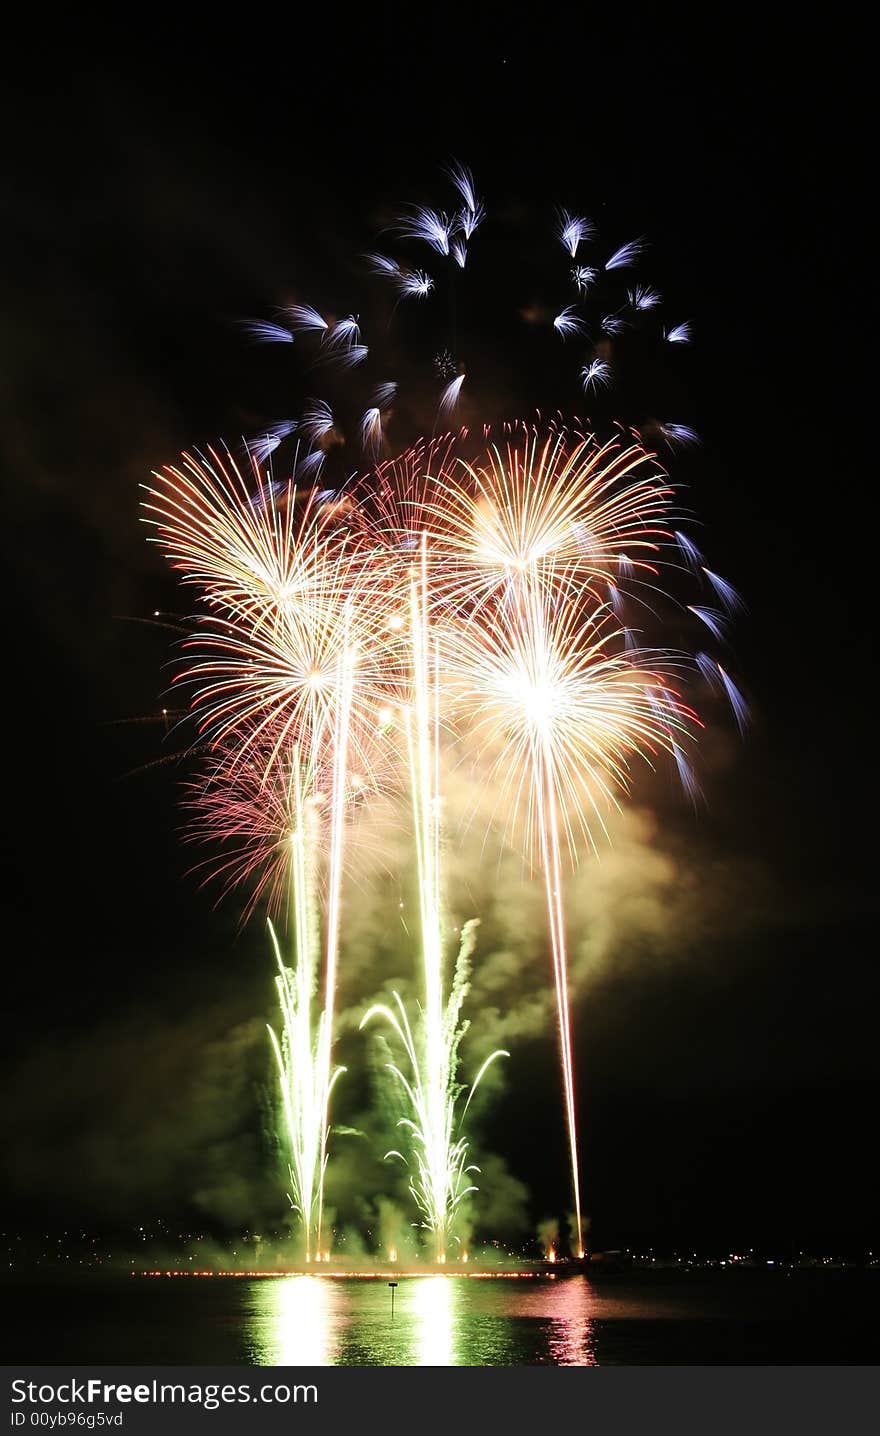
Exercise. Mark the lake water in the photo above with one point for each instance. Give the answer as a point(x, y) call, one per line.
point(688, 1317)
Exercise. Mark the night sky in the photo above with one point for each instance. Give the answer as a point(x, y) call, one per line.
point(160, 190)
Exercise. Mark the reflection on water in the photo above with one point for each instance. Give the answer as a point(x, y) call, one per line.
point(434, 1302)
point(292, 1320)
point(641, 1318)
point(567, 1305)
point(437, 1321)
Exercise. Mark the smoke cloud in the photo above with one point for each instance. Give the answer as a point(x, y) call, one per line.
point(144, 1114)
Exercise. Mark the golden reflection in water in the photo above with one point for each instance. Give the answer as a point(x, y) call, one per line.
point(433, 1306)
point(438, 1321)
point(293, 1321)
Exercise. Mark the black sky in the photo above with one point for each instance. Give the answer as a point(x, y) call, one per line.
point(157, 188)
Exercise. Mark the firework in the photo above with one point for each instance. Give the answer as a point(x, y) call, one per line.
point(602, 301)
point(463, 180)
point(427, 225)
point(626, 255)
point(450, 395)
point(679, 434)
point(574, 231)
point(249, 549)
point(264, 332)
point(555, 698)
point(314, 615)
point(566, 510)
point(560, 707)
point(269, 677)
point(584, 275)
point(280, 683)
point(266, 443)
point(317, 616)
point(306, 320)
point(345, 332)
point(641, 296)
point(568, 323)
point(440, 1174)
point(302, 1052)
point(409, 283)
point(596, 375)
point(245, 812)
point(371, 429)
point(536, 550)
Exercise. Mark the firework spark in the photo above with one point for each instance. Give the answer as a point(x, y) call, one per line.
point(584, 275)
point(463, 180)
point(450, 395)
point(641, 296)
point(306, 320)
point(679, 434)
point(596, 375)
point(568, 323)
point(626, 255)
point(427, 225)
point(263, 332)
point(573, 231)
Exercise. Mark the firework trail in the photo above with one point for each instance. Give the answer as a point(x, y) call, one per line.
point(303, 1051)
point(440, 1172)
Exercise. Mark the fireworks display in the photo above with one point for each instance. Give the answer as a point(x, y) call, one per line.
point(495, 603)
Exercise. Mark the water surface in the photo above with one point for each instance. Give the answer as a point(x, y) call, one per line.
point(678, 1318)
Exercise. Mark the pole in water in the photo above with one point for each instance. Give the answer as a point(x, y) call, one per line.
point(393, 1285)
